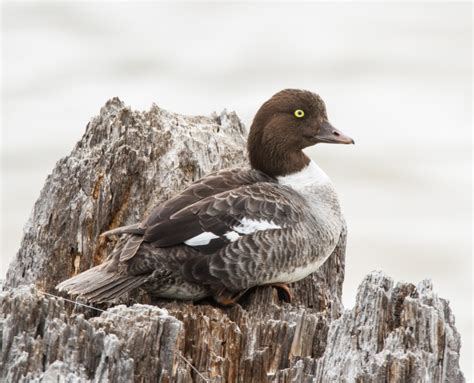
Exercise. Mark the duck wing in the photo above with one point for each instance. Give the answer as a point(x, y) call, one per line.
point(134, 235)
point(212, 222)
point(207, 186)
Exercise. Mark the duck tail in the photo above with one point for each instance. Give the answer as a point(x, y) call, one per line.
point(100, 285)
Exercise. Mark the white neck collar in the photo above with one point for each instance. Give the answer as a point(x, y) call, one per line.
point(310, 175)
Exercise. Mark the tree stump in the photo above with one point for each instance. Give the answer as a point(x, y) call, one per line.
point(126, 163)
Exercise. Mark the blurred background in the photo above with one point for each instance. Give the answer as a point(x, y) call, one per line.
point(395, 76)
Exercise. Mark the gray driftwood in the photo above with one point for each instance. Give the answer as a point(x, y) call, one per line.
point(127, 162)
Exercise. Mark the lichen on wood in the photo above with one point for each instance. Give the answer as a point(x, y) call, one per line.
point(126, 163)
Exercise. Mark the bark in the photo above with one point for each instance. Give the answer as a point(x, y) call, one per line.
point(126, 163)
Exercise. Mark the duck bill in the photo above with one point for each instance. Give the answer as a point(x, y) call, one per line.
point(329, 134)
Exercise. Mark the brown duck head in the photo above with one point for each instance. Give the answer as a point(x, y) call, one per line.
point(284, 125)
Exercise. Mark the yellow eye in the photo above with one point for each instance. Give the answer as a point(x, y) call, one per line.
point(299, 113)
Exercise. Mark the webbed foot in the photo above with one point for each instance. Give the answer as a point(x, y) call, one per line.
point(228, 298)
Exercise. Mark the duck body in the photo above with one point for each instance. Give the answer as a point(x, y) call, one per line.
point(231, 230)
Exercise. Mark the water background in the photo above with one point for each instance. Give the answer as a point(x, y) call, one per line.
point(395, 76)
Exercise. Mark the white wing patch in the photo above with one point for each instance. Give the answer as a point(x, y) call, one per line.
point(232, 236)
point(201, 239)
point(248, 226)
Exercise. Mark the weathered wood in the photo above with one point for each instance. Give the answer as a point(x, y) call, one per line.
point(127, 162)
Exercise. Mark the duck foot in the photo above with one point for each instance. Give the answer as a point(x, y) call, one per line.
point(228, 298)
point(284, 292)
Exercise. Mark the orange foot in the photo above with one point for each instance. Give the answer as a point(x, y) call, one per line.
point(284, 292)
point(227, 298)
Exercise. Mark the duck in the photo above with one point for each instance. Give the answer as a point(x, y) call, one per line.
point(272, 223)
